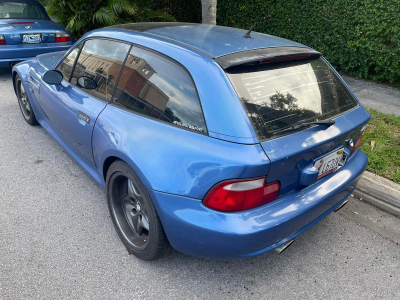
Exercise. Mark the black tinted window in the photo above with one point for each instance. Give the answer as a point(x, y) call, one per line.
point(99, 65)
point(153, 85)
point(66, 65)
point(279, 95)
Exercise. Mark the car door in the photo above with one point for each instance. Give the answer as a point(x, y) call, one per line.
point(90, 73)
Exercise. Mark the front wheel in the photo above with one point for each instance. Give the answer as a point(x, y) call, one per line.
point(133, 213)
point(24, 102)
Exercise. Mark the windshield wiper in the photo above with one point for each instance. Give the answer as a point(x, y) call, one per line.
point(327, 123)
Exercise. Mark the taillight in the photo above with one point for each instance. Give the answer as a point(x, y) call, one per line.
point(283, 58)
point(21, 23)
point(358, 142)
point(237, 195)
point(2, 40)
point(62, 37)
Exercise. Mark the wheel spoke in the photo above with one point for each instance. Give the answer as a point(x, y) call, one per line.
point(145, 223)
point(132, 192)
point(135, 222)
point(128, 203)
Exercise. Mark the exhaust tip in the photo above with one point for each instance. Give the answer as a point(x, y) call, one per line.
point(341, 206)
point(283, 247)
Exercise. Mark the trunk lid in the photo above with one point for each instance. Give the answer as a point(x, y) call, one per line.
point(292, 154)
point(13, 30)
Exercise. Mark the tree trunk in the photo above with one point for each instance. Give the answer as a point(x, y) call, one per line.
point(209, 11)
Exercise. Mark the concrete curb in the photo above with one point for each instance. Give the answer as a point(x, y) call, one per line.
point(380, 192)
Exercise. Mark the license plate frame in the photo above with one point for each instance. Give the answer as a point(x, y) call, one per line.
point(27, 38)
point(330, 162)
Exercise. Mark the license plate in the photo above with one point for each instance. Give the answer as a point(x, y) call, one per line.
point(329, 163)
point(31, 38)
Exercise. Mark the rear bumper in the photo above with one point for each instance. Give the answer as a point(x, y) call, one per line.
point(15, 53)
point(195, 229)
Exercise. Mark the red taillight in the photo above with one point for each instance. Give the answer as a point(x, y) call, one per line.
point(237, 195)
point(283, 58)
point(357, 144)
point(62, 37)
point(2, 40)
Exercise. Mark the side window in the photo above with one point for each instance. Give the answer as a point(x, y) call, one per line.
point(156, 86)
point(66, 65)
point(98, 67)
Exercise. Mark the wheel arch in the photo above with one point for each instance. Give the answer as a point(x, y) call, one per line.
point(112, 157)
point(106, 165)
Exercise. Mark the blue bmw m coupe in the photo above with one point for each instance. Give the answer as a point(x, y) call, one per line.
point(26, 31)
point(213, 141)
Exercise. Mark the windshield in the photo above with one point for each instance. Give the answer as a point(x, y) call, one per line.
point(13, 10)
point(279, 95)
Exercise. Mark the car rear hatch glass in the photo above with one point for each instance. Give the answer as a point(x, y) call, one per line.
point(282, 94)
point(279, 94)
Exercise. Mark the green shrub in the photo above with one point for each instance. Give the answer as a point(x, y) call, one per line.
point(359, 37)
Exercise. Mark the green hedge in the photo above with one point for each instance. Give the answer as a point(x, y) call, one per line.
point(361, 38)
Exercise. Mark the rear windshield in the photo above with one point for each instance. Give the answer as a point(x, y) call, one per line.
point(13, 10)
point(279, 95)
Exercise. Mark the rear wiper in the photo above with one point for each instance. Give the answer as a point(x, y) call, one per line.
point(298, 126)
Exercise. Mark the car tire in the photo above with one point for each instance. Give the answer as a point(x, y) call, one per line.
point(24, 102)
point(133, 213)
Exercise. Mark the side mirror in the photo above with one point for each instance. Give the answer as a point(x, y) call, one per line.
point(87, 83)
point(53, 77)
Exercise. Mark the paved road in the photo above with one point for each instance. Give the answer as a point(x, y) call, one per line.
point(57, 240)
point(381, 97)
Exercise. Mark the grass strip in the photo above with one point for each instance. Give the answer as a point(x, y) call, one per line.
point(381, 143)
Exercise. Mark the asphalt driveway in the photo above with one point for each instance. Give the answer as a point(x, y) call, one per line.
point(57, 240)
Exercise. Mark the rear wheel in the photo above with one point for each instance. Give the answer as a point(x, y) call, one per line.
point(24, 102)
point(133, 213)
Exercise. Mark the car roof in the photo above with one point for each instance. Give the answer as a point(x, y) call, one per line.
point(215, 41)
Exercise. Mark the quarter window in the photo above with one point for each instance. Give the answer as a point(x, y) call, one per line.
point(104, 51)
point(155, 86)
point(65, 67)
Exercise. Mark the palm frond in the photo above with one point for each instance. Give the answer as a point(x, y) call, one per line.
point(71, 23)
point(104, 15)
point(121, 6)
point(158, 14)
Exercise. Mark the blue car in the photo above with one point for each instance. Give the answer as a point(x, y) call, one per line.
point(26, 31)
point(213, 141)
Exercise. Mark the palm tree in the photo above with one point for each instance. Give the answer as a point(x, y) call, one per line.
point(81, 16)
point(209, 11)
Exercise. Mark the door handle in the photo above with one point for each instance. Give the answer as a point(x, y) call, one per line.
point(83, 117)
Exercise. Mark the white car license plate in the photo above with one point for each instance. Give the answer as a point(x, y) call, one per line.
point(329, 163)
point(31, 38)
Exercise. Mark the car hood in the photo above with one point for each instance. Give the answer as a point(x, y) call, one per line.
point(49, 60)
point(7, 27)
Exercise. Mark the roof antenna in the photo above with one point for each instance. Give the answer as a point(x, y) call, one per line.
point(247, 35)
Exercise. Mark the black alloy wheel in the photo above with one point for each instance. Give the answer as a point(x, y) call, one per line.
point(133, 213)
point(24, 102)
